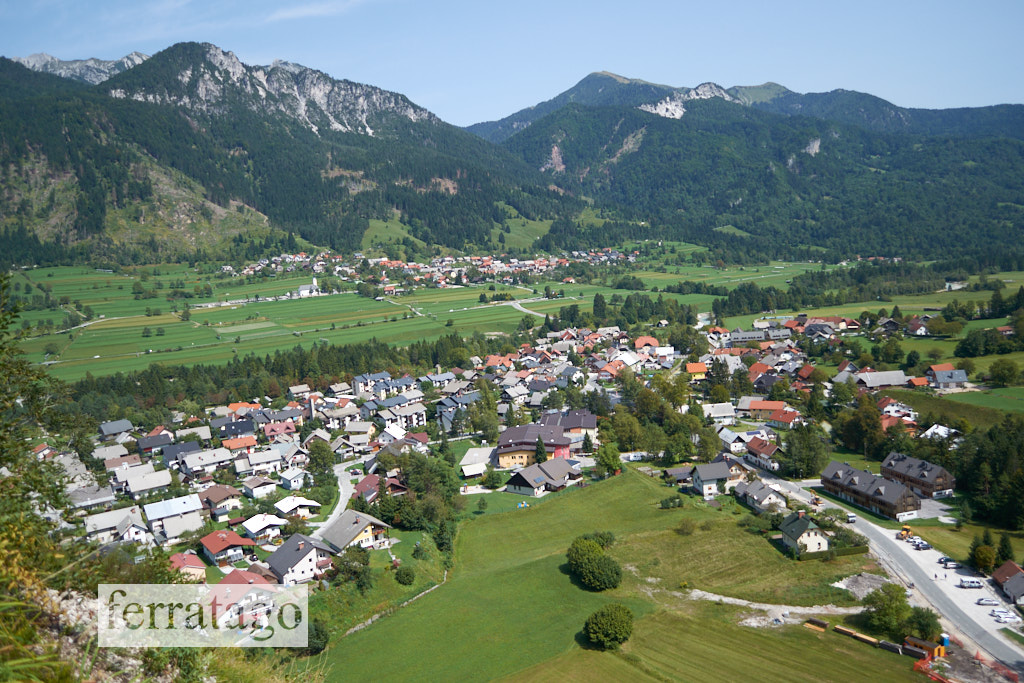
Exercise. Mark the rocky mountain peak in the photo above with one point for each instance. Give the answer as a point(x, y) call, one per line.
point(90, 70)
point(212, 81)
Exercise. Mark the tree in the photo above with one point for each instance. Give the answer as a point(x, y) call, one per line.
point(481, 504)
point(609, 626)
point(923, 623)
point(887, 610)
point(1005, 550)
point(807, 451)
point(540, 453)
point(588, 443)
point(1004, 372)
point(984, 558)
point(608, 459)
point(321, 457)
point(492, 479)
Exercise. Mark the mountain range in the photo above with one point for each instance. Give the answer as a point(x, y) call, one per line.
point(191, 152)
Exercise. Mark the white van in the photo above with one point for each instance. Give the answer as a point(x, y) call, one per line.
point(970, 583)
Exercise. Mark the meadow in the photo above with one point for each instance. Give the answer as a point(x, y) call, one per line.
point(510, 609)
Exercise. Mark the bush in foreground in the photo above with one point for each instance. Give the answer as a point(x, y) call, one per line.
point(405, 575)
point(609, 626)
point(588, 563)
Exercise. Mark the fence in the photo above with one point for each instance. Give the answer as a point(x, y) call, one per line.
point(1003, 671)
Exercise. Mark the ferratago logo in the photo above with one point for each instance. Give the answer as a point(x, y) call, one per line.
point(238, 612)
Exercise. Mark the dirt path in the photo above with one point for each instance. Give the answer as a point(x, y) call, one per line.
point(770, 608)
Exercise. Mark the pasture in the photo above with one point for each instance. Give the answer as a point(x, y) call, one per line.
point(509, 609)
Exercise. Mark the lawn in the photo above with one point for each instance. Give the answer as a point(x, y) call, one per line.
point(702, 643)
point(1009, 398)
point(509, 606)
point(945, 409)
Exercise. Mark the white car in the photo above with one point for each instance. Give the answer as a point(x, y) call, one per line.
point(988, 602)
point(1000, 613)
point(1009, 619)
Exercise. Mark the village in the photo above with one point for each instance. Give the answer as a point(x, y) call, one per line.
point(245, 467)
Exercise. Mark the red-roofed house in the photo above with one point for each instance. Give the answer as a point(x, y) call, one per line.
point(225, 547)
point(189, 564)
point(762, 410)
point(784, 419)
point(243, 445)
point(644, 342)
point(915, 382)
point(698, 372)
point(275, 429)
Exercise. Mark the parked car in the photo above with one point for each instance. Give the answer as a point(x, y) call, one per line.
point(944, 559)
point(1009, 619)
point(914, 540)
point(989, 602)
point(923, 545)
point(1000, 613)
point(952, 565)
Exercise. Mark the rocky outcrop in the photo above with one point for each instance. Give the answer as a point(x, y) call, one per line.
point(91, 70)
point(220, 82)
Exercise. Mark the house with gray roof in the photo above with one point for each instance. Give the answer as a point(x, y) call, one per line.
point(707, 477)
point(882, 496)
point(759, 495)
point(800, 533)
point(356, 528)
point(124, 525)
point(924, 478)
point(116, 430)
point(550, 475)
point(948, 379)
point(169, 519)
point(300, 559)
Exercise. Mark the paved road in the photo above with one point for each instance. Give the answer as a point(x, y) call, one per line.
point(345, 489)
point(973, 621)
point(919, 568)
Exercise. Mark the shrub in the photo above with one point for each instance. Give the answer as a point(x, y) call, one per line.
point(419, 552)
point(609, 626)
point(601, 573)
point(318, 637)
point(602, 538)
point(580, 552)
point(686, 527)
point(405, 575)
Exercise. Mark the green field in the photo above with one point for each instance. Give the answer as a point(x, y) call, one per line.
point(1009, 398)
point(946, 410)
point(509, 608)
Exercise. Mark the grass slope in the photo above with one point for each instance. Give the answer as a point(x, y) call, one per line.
point(509, 606)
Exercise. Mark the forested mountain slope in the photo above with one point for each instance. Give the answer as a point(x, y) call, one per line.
point(785, 180)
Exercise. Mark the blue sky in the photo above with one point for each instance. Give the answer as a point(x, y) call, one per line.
point(469, 61)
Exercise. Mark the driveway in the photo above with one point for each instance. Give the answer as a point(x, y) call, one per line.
point(345, 488)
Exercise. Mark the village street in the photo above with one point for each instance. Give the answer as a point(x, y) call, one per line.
point(920, 568)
